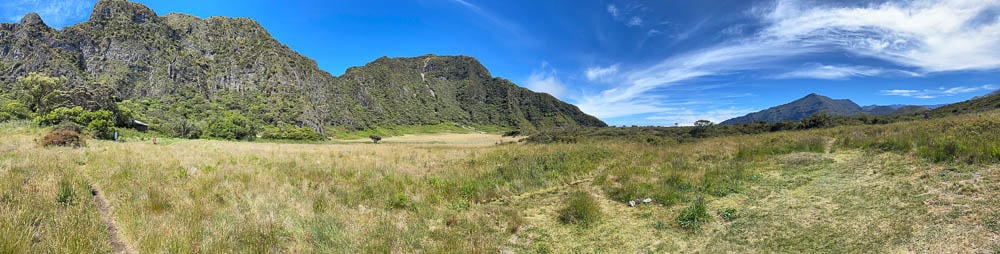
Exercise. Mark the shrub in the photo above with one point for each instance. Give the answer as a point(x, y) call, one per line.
point(581, 209)
point(818, 120)
point(694, 216)
point(100, 122)
point(183, 128)
point(61, 114)
point(68, 126)
point(231, 126)
point(13, 110)
point(290, 132)
point(513, 133)
point(62, 138)
point(102, 129)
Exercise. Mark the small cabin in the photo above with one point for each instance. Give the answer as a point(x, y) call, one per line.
point(140, 126)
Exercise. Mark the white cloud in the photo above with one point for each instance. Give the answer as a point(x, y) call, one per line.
point(686, 67)
point(546, 80)
point(834, 72)
point(57, 14)
point(598, 73)
point(653, 33)
point(939, 92)
point(920, 36)
point(930, 35)
point(634, 21)
point(613, 10)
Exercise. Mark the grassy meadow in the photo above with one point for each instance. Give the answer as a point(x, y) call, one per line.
point(921, 186)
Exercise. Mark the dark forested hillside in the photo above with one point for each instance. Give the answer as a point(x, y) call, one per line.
point(180, 73)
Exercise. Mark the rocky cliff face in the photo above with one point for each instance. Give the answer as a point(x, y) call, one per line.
point(180, 66)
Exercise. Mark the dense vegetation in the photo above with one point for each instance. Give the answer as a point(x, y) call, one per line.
point(228, 78)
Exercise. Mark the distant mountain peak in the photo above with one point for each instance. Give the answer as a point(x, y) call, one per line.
point(801, 108)
point(121, 11)
point(32, 19)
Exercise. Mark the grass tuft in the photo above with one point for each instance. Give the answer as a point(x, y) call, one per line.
point(581, 209)
point(694, 216)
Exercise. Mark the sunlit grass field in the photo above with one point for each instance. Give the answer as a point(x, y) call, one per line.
point(922, 186)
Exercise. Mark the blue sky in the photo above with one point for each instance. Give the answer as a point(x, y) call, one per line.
point(645, 62)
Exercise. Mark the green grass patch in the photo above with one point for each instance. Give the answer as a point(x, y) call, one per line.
point(581, 209)
point(694, 216)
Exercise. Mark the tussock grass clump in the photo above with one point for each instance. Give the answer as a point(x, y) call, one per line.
point(581, 209)
point(66, 196)
point(728, 214)
point(694, 216)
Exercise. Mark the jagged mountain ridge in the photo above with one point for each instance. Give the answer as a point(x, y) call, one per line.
point(125, 51)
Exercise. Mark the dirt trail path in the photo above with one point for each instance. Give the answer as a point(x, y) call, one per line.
point(118, 243)
point(552, 189)
point(829, 145)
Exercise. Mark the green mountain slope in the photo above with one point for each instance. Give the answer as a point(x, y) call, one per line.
point(178, 70)
point(979, 104)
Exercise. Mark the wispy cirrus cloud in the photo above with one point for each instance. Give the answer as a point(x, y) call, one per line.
point(626, 15)
point(598, 73)
point(57, 14)
point(939, 92)
point(501, 23)
point(913, 38)
point(840, 72)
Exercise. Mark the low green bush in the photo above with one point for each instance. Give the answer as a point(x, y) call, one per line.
point(694, 216)
point(289, 132)
point(581, 209)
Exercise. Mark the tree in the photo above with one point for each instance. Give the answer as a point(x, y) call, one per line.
point(42, 93)
point(701, 128)
point(231, 125)
point(818, 120)
point(703, 123)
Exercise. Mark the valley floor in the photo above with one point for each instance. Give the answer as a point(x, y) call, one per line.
point(794, 192)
